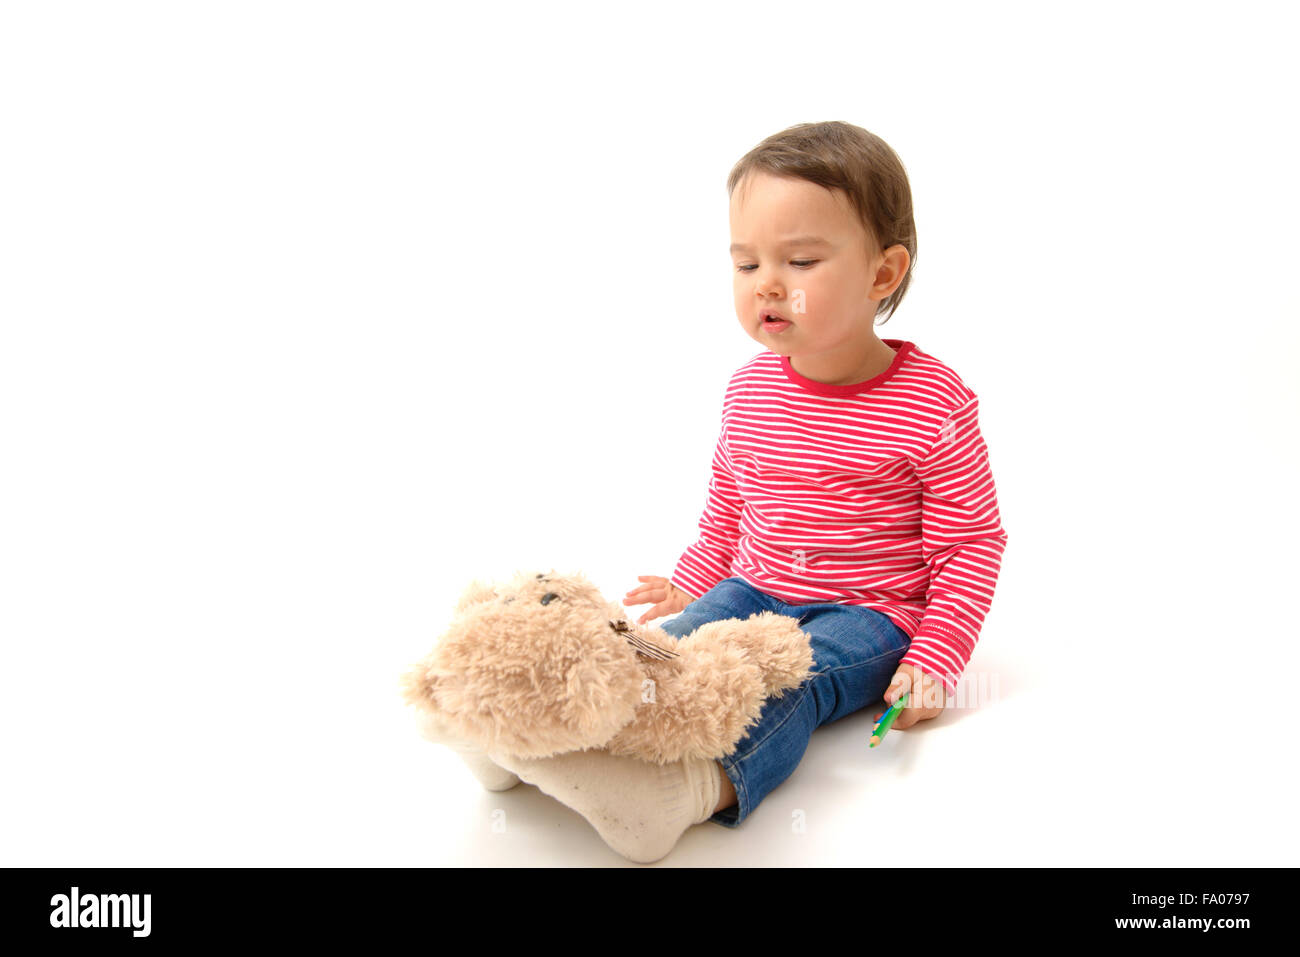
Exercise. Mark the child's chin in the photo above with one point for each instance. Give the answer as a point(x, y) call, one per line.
point(778, 344)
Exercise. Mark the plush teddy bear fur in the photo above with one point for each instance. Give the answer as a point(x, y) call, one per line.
point(542, 664)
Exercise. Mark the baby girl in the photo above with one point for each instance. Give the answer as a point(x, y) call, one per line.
point(851, 489)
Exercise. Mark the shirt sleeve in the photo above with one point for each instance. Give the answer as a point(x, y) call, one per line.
point(708, 561)
point(962, 541)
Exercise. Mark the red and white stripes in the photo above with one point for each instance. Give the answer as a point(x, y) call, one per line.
point(877, 494)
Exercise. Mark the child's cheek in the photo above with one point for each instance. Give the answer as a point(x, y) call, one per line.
point(799, 302)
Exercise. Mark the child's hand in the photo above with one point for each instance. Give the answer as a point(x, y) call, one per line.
point(927, 698)
point(670, 599)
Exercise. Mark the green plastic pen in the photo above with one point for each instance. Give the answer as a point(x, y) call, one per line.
point(887, 720)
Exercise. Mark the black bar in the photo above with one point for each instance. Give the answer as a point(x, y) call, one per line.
point(913, 907)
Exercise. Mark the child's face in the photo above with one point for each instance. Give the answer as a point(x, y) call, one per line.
point(827, 290)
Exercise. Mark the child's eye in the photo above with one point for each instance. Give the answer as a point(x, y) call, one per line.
point(801, 263)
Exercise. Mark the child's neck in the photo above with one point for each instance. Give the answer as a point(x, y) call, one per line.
point(843, 369)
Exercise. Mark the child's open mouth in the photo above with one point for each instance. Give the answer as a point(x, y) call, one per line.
point(775, 323)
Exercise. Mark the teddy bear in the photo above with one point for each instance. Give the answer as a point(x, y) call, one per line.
point(542, 664)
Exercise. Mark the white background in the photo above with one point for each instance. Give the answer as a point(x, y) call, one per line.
point(312, 312)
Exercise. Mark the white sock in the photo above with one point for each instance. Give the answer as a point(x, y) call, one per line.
point(639, 809)
point(491, 775)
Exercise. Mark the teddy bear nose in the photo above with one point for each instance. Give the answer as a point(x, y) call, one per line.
point(549, 597)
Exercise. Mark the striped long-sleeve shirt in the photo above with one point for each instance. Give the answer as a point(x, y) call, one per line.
point(877, 493)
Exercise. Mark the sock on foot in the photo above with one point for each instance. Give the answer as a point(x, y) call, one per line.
point(638, 808)
point(489, 774)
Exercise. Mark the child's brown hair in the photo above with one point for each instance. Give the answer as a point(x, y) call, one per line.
point(848, 158)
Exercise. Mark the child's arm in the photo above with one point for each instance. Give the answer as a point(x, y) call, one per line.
point(708, 560)
point(962, 540)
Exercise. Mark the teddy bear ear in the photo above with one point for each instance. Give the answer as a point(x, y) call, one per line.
point(475, 593)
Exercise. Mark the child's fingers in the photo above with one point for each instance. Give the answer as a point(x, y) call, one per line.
point(906, 718)
point(653, 581)
point(899, 685)
point(898, 721)
point(658, 611)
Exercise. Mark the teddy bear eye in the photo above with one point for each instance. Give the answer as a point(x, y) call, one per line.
point(549, 597)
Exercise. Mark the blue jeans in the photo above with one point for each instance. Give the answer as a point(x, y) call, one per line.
point(856, 651)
